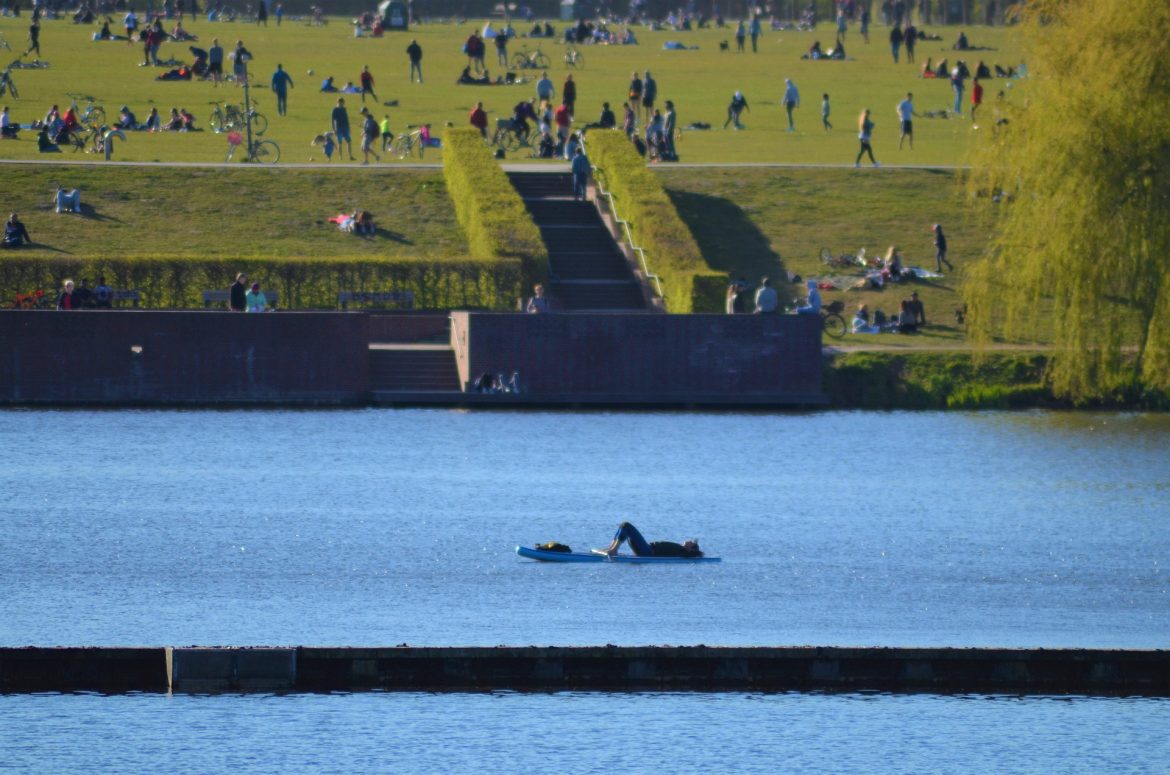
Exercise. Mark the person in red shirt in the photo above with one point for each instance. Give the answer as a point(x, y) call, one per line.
point(479, 119)
point(976, 98)
point(367, 81)
point(68, 299)
point(562, 118)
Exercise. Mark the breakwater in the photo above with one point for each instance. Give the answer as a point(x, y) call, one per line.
point(589, 668)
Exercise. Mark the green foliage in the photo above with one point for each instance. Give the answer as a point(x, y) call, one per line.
point(689, 284)
point(1082, 246)
point(937, 381)
point(178, 283)
point(493, 215)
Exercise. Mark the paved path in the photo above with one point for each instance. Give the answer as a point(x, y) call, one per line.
point(550, 167)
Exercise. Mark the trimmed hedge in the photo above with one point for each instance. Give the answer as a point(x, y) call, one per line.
point(488, 207)
point(689, 284)
point(178, 283)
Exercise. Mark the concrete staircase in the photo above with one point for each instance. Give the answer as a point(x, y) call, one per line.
point(587, 271)
point(413, 368)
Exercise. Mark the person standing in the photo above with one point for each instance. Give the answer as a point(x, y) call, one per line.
point(278, 12)
point(825, 113)
point(370, 134)
point(864, 28)
point(68, 298)
point(629, 123)
point(976, 99)
point(754, 30)
point(387, 135)
point(502, 49)
point(581, 170)
point(740, 37)
point(544, 88)
point(281, 82)
point(238, 294)
point(130, 22)
point(240, 58)
point(414, 51)
point(214, 61)
point(896, 39)
point(340, 122)
point(865, 134)
point(479, 119)
point(538, 304)
point(906, 116)
point(957, 85)
point(261, 13)
point(367, 81)
point(791, 100)
point(669, 123)
point(569, 94)
point(767, 301)
point(940, 248)
point(649, 94)
point(910, 40)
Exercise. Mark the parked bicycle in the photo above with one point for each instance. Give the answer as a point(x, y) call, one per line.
point(574, 58)
point(408, 143)
point(259, 152)
point(89, 138)
point(529, 60)
point(228, 118)
point(509, 137)
point(844, 260)
point(92, 115)
point(832, 322)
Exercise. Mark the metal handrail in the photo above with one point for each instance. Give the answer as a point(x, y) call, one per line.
point(626, 229)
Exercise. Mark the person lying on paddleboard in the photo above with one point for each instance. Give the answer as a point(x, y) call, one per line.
point(643, 548)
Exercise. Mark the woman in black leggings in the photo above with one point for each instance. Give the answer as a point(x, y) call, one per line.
point(864, 133)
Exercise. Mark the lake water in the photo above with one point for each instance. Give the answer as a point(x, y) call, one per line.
point(379, 527)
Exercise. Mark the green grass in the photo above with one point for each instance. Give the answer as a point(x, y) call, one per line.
point(699, 82)
point(752, 222)
point(236, 213)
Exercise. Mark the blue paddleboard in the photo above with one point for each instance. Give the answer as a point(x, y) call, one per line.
point(598, 556)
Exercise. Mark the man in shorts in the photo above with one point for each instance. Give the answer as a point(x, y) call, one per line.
point(215, 61)
point(340, 120)
point(906, 116)
point(370, 132)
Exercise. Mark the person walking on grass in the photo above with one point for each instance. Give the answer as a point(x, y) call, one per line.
point(940, 248)
point(387, 135)
point(906, 116)
point(865, 134)
point(34, 38)
point(370, 134)
point(367, 81)
point(340, 121)
point(976, 100)
point(791, 101)
point(896, 39)
point(825, 113)
point(281, 83)
point(740, 37)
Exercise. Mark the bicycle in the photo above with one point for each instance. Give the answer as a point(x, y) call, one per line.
point(259, 152)
point(574, 59)
point(8, 85)
point(408, 143)
point(843, 261)
point(226, 118)
point(509, 137)
point(530, 60)
point(90, 139)
point(92, 115)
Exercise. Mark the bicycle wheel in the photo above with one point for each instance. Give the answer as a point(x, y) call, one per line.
point(575, 59)
point(511, 142)
point(403, 145)
point(520, 61)
point(265, 152)
point(834, 325)
point(540, 61)
point(216, 122)
point(97, 116)
point(259, 123)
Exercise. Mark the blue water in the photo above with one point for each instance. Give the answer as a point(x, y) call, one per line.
point(379, 527)
point(582, 733)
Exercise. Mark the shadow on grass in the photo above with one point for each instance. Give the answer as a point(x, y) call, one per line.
point(730, 241)
point(392, 235)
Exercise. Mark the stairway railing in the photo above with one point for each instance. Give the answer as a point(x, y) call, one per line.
point(598, 175)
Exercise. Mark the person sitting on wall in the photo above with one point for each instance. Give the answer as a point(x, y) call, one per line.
point(643, 548)
point(538, 304)
point(767, 300)
point(812, 305)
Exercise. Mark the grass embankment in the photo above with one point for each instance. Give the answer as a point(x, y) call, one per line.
point(173, 233)
point(754, 222)
point(700, 82)
point(960, 381)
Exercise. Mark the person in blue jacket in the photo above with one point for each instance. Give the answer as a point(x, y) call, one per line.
point(581, 169)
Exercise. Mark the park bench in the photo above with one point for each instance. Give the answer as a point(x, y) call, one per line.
point(400, 299)
point(223, 297)
point(135, 296)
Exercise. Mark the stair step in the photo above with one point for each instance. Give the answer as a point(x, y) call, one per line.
point(413, 368)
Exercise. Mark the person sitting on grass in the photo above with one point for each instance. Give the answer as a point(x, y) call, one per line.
point(153, 121)
point(643, 548)
point(44, 143)
point(126, 119)
point(174, 122)
point(906, 323)
point(188, 120)
point(861, 322)
point(327, 85)
point(15, 234)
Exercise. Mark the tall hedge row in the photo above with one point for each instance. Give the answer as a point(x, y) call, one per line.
point(492, 214)
point(301, 283)
point(689, 285)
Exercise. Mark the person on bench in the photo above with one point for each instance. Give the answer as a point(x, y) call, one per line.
point(642, 548)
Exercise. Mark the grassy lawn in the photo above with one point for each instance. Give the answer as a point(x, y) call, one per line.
point(700, 82)
point(750, 222)
point(248, 212)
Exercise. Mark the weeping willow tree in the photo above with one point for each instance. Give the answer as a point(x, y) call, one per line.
point(1080, 177)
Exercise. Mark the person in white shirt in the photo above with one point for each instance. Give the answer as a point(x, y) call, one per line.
point(766, 299)
point(906, 116)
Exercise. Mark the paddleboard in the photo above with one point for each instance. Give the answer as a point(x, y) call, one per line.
point(599, 556)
